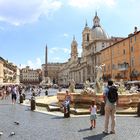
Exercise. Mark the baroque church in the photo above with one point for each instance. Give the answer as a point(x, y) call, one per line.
point(82, 68)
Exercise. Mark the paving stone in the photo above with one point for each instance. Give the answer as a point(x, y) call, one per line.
point(40, 126)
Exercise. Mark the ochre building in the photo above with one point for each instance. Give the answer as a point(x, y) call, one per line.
point(122, 59)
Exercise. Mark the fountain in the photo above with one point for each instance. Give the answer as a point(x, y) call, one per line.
point(46, 82)
point(83, 99)
point(127, 100)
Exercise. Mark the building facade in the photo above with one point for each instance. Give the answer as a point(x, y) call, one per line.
point(9, 73)
point(94, 40)
point(122, 59)
point(52, 72)
point(29, 76)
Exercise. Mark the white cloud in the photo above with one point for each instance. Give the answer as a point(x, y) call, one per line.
point(22, 66)
point(38, 61)
point(21, 12)
point(56, 59)
point(91, 3)
point(58, 54)
point(32, 64)
point(65, 35)
point(66, 50)
point(79, 51)
point(53, 50)
point(61, 50)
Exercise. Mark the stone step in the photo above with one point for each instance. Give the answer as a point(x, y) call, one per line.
point(127, 111)
point(81, 111)
point(53, 108)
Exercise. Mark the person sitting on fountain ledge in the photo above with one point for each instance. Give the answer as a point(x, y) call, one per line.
point(66, 104)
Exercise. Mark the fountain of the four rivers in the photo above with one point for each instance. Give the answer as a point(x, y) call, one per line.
point(127, 101)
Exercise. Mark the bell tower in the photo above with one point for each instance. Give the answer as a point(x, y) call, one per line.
point(74, 52)
point(86, 38)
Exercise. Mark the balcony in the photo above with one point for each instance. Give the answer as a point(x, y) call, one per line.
point(123, 67)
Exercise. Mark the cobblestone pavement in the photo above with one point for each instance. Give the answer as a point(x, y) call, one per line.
point(40, 126)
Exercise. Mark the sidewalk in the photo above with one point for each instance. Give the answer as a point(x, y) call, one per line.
point(41, 126)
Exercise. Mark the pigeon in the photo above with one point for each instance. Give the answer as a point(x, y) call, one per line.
point(1, 133)
point(12, 133)
point(17, 123)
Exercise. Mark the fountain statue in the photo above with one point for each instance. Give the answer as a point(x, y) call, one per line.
point(121, 88)
point(46, 82)
point(87, 88)
point(87, 84)
point(99, 80)
point(72, 86)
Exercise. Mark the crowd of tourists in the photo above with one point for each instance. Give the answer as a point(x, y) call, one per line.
point(14, 91)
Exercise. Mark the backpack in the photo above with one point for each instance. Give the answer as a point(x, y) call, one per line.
point(112, 94)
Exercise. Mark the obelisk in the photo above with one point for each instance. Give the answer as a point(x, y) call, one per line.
point(46, 62)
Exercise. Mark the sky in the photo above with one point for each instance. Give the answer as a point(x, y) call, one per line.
point(27, 26)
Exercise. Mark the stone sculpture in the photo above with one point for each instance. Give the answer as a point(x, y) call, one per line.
point(99, 80)
point(72, 86)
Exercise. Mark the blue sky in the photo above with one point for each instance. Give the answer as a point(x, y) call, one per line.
point(27, 26)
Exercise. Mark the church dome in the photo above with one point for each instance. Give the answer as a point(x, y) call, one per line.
point(97, 31)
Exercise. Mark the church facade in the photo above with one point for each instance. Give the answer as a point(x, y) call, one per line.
point(79, 69)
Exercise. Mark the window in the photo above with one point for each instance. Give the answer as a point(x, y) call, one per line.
point(89, 69)
point(104, 68)
point(113, 66)
point(95, 48)
point(135, 38)
point(132, 49)
point(108, 67)
point(132, 62)
point(87, 37)
point(124, 51)
point(103, 45)
point(118, 51)
point(131, 40)
point(112, 52)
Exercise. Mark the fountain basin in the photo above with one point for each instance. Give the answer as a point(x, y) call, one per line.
point(84, 100)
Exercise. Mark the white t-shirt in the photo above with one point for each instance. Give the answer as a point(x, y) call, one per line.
point(93, 110)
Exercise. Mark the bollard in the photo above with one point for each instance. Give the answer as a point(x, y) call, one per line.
point(46, 92)
point(32, 103)
point(59, 89)
point(21, 98)
point(102, 109)
point(138, 109)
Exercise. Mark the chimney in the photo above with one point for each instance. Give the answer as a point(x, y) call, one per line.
point(135, 29)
